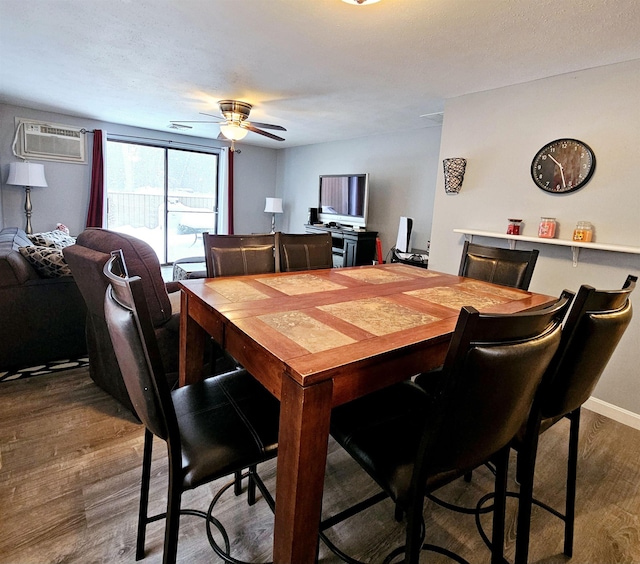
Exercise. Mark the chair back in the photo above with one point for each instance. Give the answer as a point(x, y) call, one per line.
point(238, 255)
point(594, 327)
point(129, 323)
point(493, 368)
point(303, 251)
point(507, 267)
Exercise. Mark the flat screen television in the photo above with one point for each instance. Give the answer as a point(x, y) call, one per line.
point(344, 199)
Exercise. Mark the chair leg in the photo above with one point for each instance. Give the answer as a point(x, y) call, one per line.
point(251, 486)
point(500, 501)
point(398, 514)
point(572, 471)
point(144, 494)
point(526, 465)
point(174, 495)
point(414, 537)
point(237, 484)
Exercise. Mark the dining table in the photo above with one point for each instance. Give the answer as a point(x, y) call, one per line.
point(317, 339)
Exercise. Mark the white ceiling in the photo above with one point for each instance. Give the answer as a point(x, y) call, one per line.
point(323, 69)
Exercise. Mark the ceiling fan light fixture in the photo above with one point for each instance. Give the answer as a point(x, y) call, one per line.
point(360, 2)
point(233, 132)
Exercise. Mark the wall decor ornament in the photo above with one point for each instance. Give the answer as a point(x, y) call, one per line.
point(453, 174)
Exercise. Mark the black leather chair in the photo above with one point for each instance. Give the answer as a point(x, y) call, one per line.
point(211, 429)
point(237, 255)
point(593, 329)
point(412, 443)
point(303, 251)
point(507, 267)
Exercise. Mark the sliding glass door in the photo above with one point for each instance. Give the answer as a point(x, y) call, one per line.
point(164, 196)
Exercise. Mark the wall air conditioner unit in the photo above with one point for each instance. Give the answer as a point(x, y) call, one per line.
point(50, 142)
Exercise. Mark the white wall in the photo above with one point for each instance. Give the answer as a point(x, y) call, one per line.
point(499, 132)
point(402, 171)
point(255, 179)
point(66, 199)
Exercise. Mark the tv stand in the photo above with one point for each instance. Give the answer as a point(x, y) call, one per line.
point(350, 247)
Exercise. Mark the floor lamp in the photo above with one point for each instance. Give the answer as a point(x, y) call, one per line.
point(273, 206)
point(28, 175)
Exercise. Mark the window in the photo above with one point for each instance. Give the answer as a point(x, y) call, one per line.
point(164, 196)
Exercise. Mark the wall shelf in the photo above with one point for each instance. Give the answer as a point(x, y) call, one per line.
point(575, 245)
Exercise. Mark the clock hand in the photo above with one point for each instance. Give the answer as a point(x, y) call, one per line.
point(555, 161)
point(564, 184)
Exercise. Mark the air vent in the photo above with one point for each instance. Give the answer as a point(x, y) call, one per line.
point(50, 142)
point(433, 119)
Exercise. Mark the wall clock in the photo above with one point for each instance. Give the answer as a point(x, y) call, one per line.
point(562, 166)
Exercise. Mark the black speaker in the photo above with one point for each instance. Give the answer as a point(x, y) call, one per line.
point(313, 216)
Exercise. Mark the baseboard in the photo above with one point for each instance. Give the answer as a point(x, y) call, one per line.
point(613, 412)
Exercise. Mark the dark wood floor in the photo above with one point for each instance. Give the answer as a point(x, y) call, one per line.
point(70, 469)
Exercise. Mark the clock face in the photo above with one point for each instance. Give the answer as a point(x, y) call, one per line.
point(563, 166)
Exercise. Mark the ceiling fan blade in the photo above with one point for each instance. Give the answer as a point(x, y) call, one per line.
point(194, 121)
point(221, 137)
point(250, 127)
point(211, 115)
point(267, 125)
point(178, 125)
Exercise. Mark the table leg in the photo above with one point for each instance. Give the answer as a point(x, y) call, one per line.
point(192, 345)
point(305, 415)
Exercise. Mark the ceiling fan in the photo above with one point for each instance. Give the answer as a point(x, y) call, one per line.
point(235, 124)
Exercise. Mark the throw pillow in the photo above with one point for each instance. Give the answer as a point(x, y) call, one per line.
point(48, 261)
point(56, 239)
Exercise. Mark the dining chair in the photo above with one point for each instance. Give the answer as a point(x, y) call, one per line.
point(303, 251)
point(507, 267)
point(237, 255)
point(412, 443)
point(594, 326)
point(212, 429)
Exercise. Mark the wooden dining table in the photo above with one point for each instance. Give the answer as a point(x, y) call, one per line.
point(318, 339)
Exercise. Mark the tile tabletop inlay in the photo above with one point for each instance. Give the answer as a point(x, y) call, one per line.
point(375, 276)
point(300, 284)
point(237, 291)
point(306, 331)
point(455, 298)
point(378, 316)
point(491, 289)
point(414, 270)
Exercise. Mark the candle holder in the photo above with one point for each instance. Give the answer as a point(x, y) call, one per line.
point(514, 227)
point(453, 174)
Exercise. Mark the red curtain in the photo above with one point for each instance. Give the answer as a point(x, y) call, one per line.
point(96, 197)
point(230, 193)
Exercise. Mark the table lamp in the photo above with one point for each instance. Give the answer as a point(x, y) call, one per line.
point(273, 206)
point(28, 175)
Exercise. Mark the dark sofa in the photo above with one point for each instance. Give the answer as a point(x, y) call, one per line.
point(41, 319)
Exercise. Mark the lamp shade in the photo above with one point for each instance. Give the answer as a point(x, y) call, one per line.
point(233, 132)
point(26, 174)
point(273, 205)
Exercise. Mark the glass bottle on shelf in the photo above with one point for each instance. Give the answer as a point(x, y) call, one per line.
point(547, 228)
point(514, 227)
point(583, 232)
